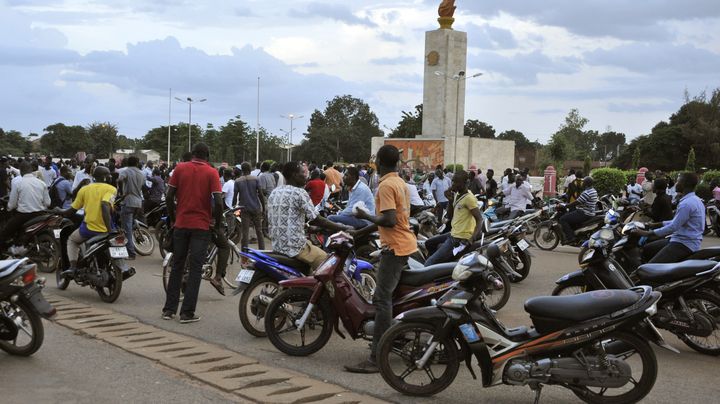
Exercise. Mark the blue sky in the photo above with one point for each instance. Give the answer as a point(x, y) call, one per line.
point(625, 65)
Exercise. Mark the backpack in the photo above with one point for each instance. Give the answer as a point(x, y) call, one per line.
point(55, 200)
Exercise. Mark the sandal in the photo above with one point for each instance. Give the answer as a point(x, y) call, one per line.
point(218, 286)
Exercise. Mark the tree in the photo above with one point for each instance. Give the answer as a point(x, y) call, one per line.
point(65, 141)
point(558, 150)
point(636, 158)
point(157, 139)
point(103, 139)
point(608, 144)
point(410, 124)
point(579, 142)
point(13, 143)
point(690, 165)
point(587, 164)
point(521, 142)
point(341, 132)
point(475, 128)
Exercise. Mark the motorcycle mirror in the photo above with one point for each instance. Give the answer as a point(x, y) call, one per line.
point(492, 251)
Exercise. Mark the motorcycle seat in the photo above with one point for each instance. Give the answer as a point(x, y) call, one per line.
point(289, 261)
point(705, 254)
point(93, 240)
point(35, 220)
point(419, 277)
point(661, 273)
point(581, 307)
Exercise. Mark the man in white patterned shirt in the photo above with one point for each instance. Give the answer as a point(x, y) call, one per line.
point(289, 208)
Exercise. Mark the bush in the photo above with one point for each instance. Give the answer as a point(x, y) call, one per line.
point(451, 167)
point(630, 175)
point(711, 176)
point(703, 191)
point(609, 180)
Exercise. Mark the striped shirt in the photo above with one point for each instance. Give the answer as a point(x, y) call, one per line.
point(587, 201)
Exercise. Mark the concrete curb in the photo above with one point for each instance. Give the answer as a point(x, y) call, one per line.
point(224, 369)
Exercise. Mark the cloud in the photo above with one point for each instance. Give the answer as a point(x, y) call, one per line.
point(522, 68)
point(489, 37)
point(386, 36)
point(244, 12)
point(615, 18)
point(335, 12)
point(685, 59)
point(630, 107)
point(400, 60)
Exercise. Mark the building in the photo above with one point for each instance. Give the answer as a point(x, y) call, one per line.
point(144, 155)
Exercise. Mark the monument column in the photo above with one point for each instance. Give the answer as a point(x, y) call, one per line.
point(445, 59)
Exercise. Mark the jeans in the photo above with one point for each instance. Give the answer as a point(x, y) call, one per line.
point(571, 221)
point(127, 217)
point(349, 220)
point(663, 251)
point(223, 251)
point(256, 218)
point(190, 244)
point(388, 277)
point(443, 246)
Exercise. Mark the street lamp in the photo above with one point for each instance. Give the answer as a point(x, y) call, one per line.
point(460, 76)
point(292, 118)
point(189, 101)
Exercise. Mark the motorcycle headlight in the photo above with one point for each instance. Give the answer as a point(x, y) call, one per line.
point(460, 272)
point(587, 256)
point(607, 234)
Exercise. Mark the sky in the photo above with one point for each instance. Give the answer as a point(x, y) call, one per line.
point(625, 65)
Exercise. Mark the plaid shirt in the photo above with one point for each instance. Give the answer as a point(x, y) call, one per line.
point(289, 208)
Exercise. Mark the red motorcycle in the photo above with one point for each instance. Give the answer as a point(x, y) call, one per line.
point(300, 320)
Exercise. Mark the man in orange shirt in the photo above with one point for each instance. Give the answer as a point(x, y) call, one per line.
point(392, 204)
point(332, 177)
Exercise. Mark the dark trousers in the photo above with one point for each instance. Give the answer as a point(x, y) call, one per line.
point(388, 277)
point(439, 209)
point(256, 218)
point(15, 224)
point(223, 251)
point(571, 221)
point(190, 244)
point(441, 248)
point(663, 251)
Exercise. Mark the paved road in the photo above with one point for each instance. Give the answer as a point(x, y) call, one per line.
point(688, 377)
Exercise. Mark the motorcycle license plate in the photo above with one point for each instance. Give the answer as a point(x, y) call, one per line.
point(469, 333)
point(245, 276)
point(118, 252)
point(523, 245)
point(56, 232)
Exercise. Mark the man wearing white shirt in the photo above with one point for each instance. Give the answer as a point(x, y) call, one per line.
point(568, 180)
point(28, 198)
point(48, 172)
point(516, 197)
point(256, 171)
point(86, 174)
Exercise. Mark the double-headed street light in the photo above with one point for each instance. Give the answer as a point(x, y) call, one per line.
point(189, 101)
point(460, 76)
point(292, 118)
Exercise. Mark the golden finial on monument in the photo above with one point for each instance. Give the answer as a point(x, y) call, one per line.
point(446, 10)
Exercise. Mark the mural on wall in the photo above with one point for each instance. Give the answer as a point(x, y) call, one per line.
point(423, 154)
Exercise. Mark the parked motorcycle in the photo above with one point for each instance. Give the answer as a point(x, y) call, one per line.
point(712, 218)
point(22, 305)
point(688, 308)
point(300, 320)
point(594, 344)
point(549, 234)
point(101, 264)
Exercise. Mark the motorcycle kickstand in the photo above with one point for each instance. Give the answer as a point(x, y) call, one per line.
point(537, 388)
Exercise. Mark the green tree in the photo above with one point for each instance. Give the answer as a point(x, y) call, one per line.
point(410, 124)
point(579, 141)
point(587, 164)
point(13, 143)
point(157, 139)
point(558, 150)
point(690, 165)
point(608, 144)
point(476, 128)
point(521, 142)
point(636, 158)
point(65, 141)
point(341, 132)
point(103, 139)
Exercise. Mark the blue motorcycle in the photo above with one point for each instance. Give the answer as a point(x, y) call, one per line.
point(263, 270)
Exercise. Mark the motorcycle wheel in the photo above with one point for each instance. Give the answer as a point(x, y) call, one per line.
point(405, 343)
point(30, 328)
point(111, 291)
point(160, 234)
point(636, 352)
point(496, 299)
point(566, 290)
point(251, 309)
point(46, 253)
point(143, 241)
point(280, 317)
point(525, 261)
point(709, 305)
point(62, 282)
point(546, 238)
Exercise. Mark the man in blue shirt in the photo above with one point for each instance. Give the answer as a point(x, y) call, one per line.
point(685, 229)
point(64, 187)
point(359, 192)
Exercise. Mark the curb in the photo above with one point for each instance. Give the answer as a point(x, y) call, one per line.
point(221, 368)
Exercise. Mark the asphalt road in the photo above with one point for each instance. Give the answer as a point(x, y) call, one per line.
point(688, 377)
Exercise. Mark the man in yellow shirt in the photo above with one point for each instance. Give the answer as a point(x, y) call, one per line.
point(465, 219)
point(392, 204)
point(97, 199)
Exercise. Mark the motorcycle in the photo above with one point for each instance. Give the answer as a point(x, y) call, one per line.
point(153, 216)
point(300, 320)
point(712, 218)
point(688, 308)
point(549, 234)
point(37, 240)
point(258, 281)
point(22, 305)
point(101, 263)
point(594, 344)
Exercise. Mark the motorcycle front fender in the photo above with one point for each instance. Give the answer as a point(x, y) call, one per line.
point(427, 315)
point(305, 282)
point(576, 278)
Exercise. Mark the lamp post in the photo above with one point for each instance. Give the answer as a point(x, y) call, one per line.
point(292, 118)
point(189, 101)
point(460, 76)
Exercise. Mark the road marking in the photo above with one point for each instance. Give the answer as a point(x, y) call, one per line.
point(204, 362)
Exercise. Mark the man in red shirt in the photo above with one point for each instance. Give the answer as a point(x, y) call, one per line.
point(192, 187)
point(315, 187)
